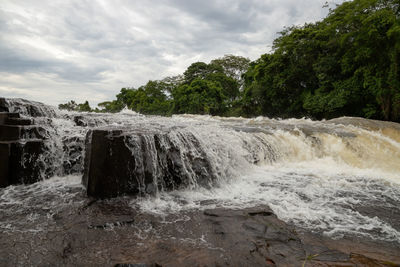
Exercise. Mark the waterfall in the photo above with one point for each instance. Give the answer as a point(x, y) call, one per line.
point(316, 174)
point(228, 145)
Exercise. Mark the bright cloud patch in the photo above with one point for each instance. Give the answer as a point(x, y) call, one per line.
point(55, 51)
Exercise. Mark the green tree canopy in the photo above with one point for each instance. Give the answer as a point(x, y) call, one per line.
point(200, 97)
point(73, 106)
point(347, 64)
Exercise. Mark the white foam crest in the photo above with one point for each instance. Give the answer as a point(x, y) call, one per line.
point(29, 208)
point(317, 195)
point(128, 111)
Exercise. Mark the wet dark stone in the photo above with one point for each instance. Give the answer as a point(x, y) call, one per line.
point(107, 166)
point(4, 116)
point(114, 232)
point(4, 164)
point(19, 162)
point(119, 162)
point(111, 224)
point(261, 213)
point(17, 132)
point(3, 105)
point(320, 253)
point(80, 121)
point(18, 121)
point(137, 265)
point(21, 145)
point(73, 149)
point(27, 108)
point(10, 132)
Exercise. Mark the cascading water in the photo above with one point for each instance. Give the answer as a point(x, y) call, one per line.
point(337, 177)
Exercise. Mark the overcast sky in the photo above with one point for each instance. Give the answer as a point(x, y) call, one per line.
point(55, 51)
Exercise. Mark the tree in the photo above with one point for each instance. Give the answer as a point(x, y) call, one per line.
point(233, 66)
point(200, 70)
point(347, 64)
point(171, 82)
point(70, 106)
point(84, 107)
point(111, 106)
point(366, 35)
point(200, 97)
point(73, 106)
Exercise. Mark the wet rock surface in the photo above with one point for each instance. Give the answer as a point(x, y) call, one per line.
point(21, 145)
point(135, 162)
point(18, 162)
point(73, 149)
point(116, 233)
point(26, 107)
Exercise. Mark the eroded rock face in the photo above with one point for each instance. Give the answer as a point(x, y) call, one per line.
point(21, 146)
point(3, 105)
point(19, 162)
point(141, 162)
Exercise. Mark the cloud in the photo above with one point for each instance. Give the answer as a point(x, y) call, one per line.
point(54, 51)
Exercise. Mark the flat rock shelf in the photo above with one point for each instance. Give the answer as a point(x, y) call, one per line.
point(115, 233)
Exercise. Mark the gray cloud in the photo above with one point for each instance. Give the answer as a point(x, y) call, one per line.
point(54, 51)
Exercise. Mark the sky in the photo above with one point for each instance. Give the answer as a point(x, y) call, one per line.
point(56, 51)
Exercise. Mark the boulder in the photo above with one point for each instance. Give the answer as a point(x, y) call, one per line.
point(21, 147)
point(134, 162)
point(3, 105)
point(20, 162)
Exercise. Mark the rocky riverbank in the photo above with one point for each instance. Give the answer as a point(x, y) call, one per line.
point(88, 232)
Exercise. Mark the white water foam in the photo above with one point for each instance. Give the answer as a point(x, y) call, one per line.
point(30, 208)
point(318, 195)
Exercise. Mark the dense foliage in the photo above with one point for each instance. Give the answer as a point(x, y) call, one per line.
point(73, 106)
point(346, 64)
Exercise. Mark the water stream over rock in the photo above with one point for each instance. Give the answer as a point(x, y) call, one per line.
point(336, 179)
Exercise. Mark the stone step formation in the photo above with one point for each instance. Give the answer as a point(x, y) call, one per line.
point(21, 145)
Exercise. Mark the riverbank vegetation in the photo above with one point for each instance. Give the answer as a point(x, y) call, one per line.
point(346, 64)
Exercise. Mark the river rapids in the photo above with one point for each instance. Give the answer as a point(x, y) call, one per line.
point(337, 177)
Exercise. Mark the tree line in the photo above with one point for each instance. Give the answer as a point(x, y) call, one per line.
point(345, 65)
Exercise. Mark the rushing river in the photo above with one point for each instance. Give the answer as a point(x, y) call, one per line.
point(338, 177)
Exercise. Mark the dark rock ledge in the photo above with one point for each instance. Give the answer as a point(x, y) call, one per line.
point(21, 145)
point(113, 233)
point(139, 162)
